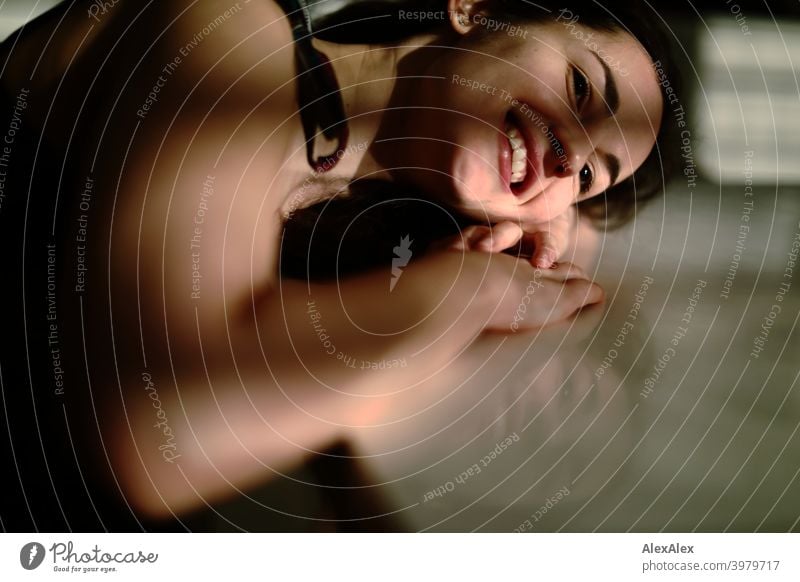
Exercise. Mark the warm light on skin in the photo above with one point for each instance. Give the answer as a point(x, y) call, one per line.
point(459, 127)
point(237, 388)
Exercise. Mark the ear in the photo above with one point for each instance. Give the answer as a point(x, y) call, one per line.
point(462, 14)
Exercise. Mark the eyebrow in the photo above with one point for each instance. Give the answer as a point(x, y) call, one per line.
point(612, 165)
point(611, 97)
point(611, 92)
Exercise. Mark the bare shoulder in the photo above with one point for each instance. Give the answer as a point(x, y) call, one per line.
point(183, 117)
point(123, 54)
point(210, 37)
point(240, 38)
point(212, 111)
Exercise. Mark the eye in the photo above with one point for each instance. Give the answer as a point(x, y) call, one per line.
point(581, 88)
point(586, 179)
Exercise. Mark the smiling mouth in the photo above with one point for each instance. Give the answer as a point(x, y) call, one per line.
point(519, 163)
point(519, 155)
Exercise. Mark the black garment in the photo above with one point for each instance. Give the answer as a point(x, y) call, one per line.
point(319, 101)
point(342, 21)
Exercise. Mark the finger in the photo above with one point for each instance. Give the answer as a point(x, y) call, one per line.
point(564, 272)
point(575, 295)
point(545, 250)
point(579, 326)
point(487, 239)
point(463, 241)
point(472, 235)
point(501, 236)
point(547, 242)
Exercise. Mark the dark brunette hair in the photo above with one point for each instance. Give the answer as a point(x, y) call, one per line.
point(356, 228)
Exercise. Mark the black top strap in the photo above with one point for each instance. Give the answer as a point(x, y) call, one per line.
point(320, 102)
point(344, 22)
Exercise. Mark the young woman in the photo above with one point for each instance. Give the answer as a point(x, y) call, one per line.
point(169, 149)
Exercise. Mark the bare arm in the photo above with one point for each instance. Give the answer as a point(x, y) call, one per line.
point(312, 362)
point(232, 424)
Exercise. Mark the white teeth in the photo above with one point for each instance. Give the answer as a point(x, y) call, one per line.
point(519, 155)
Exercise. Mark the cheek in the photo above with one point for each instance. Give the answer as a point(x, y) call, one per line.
point(551, 203)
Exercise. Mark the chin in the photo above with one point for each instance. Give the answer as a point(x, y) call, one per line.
point(475, 191)
point(485, 210)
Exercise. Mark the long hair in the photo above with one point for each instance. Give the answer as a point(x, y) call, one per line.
point(358, 227)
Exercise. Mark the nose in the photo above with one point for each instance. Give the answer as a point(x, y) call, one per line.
point(570, 148)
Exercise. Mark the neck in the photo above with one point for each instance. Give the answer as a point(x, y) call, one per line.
point(368, 79)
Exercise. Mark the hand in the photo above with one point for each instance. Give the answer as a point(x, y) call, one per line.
point(544, 243)
point(526, 298)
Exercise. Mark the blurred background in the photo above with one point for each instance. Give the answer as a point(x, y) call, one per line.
point(15, 13)
point(685, 421)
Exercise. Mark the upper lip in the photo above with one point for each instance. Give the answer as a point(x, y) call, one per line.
point(535, 156)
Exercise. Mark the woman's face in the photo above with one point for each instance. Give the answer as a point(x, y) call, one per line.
point(520, 124)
